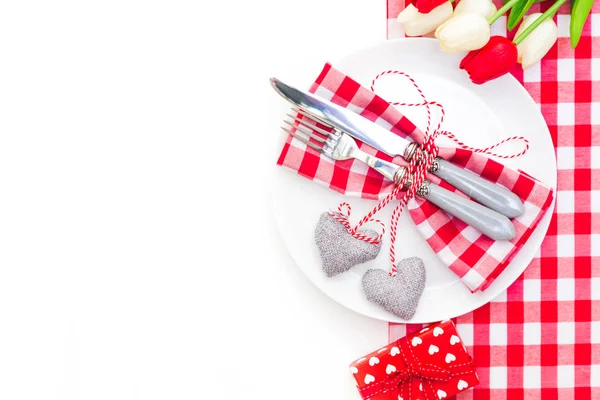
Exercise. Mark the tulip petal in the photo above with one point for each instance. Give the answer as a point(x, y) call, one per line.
point(463, 33)
point(537, 44)
point(426, 6)
point(493, 60)
point(485, 8)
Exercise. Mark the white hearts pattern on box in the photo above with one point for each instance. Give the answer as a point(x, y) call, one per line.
point(433, 349)
point(429, 346)
point(462, 385)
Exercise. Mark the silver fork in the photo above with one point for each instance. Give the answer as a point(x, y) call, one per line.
point(339, 146)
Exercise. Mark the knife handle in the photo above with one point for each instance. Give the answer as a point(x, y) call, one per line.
point(492, 195)
point(491, 223)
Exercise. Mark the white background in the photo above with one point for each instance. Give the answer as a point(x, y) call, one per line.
point(138, 259)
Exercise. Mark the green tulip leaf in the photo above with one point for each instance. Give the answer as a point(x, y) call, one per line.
point(580, 10)
point(517, 13)
point(536, 1)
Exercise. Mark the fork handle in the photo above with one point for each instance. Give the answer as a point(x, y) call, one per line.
point(387, 169)
point(491, 223)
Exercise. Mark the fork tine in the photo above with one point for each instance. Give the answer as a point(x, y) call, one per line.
point(314, 118)
point(306, 132)
point(303, 140)
point(311, 126)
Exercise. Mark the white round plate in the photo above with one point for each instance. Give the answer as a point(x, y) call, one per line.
point(478, 115)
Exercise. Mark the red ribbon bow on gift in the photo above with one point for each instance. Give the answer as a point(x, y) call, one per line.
point(413, 368)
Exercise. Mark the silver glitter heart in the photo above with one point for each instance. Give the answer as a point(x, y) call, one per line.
point(340, 251)
point(398, 294)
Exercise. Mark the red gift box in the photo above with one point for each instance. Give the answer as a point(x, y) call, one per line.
point(430, 364)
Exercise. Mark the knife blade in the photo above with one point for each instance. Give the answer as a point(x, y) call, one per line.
point(350, 122)
point(490, 194)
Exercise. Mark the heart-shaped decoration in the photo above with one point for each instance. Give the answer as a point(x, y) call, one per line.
point(340, 251)
point(450, 357)
point(373, 361)
point(416, 341)
point(400, 397)
point(433, 349)
point(354, 370)
point(441, 394)
point(390, 369)
point(437, 331)
point(454, 339)
point(369, 379)
point(398, 294)
point(462, 385)
point(394, 351)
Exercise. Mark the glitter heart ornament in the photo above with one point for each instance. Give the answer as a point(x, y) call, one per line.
point(398, 294)
point(339, 250)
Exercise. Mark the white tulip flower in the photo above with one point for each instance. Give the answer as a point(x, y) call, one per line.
point(535, 46)
point(464, 32)
point(415, 23)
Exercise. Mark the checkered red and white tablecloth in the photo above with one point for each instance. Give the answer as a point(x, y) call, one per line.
point(541, 338)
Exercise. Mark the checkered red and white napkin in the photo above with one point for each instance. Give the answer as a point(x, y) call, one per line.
point(541, 338)
point(474, 257)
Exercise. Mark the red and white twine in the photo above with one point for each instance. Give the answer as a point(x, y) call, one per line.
point(343, 215)
point(418, 166)
point(450, 135)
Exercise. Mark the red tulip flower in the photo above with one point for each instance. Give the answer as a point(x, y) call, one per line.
point(492, 61)
point(425, 6)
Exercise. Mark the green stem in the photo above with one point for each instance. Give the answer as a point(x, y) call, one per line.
point(548, 14)
point(501, 11)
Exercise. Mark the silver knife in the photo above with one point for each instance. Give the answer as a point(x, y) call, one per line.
point(492, 195)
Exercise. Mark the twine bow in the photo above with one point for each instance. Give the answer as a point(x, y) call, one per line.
point(343, 216)
point(413, 368)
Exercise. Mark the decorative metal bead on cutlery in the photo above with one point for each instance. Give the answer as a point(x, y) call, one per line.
point(423, 190)
point(337, 145)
